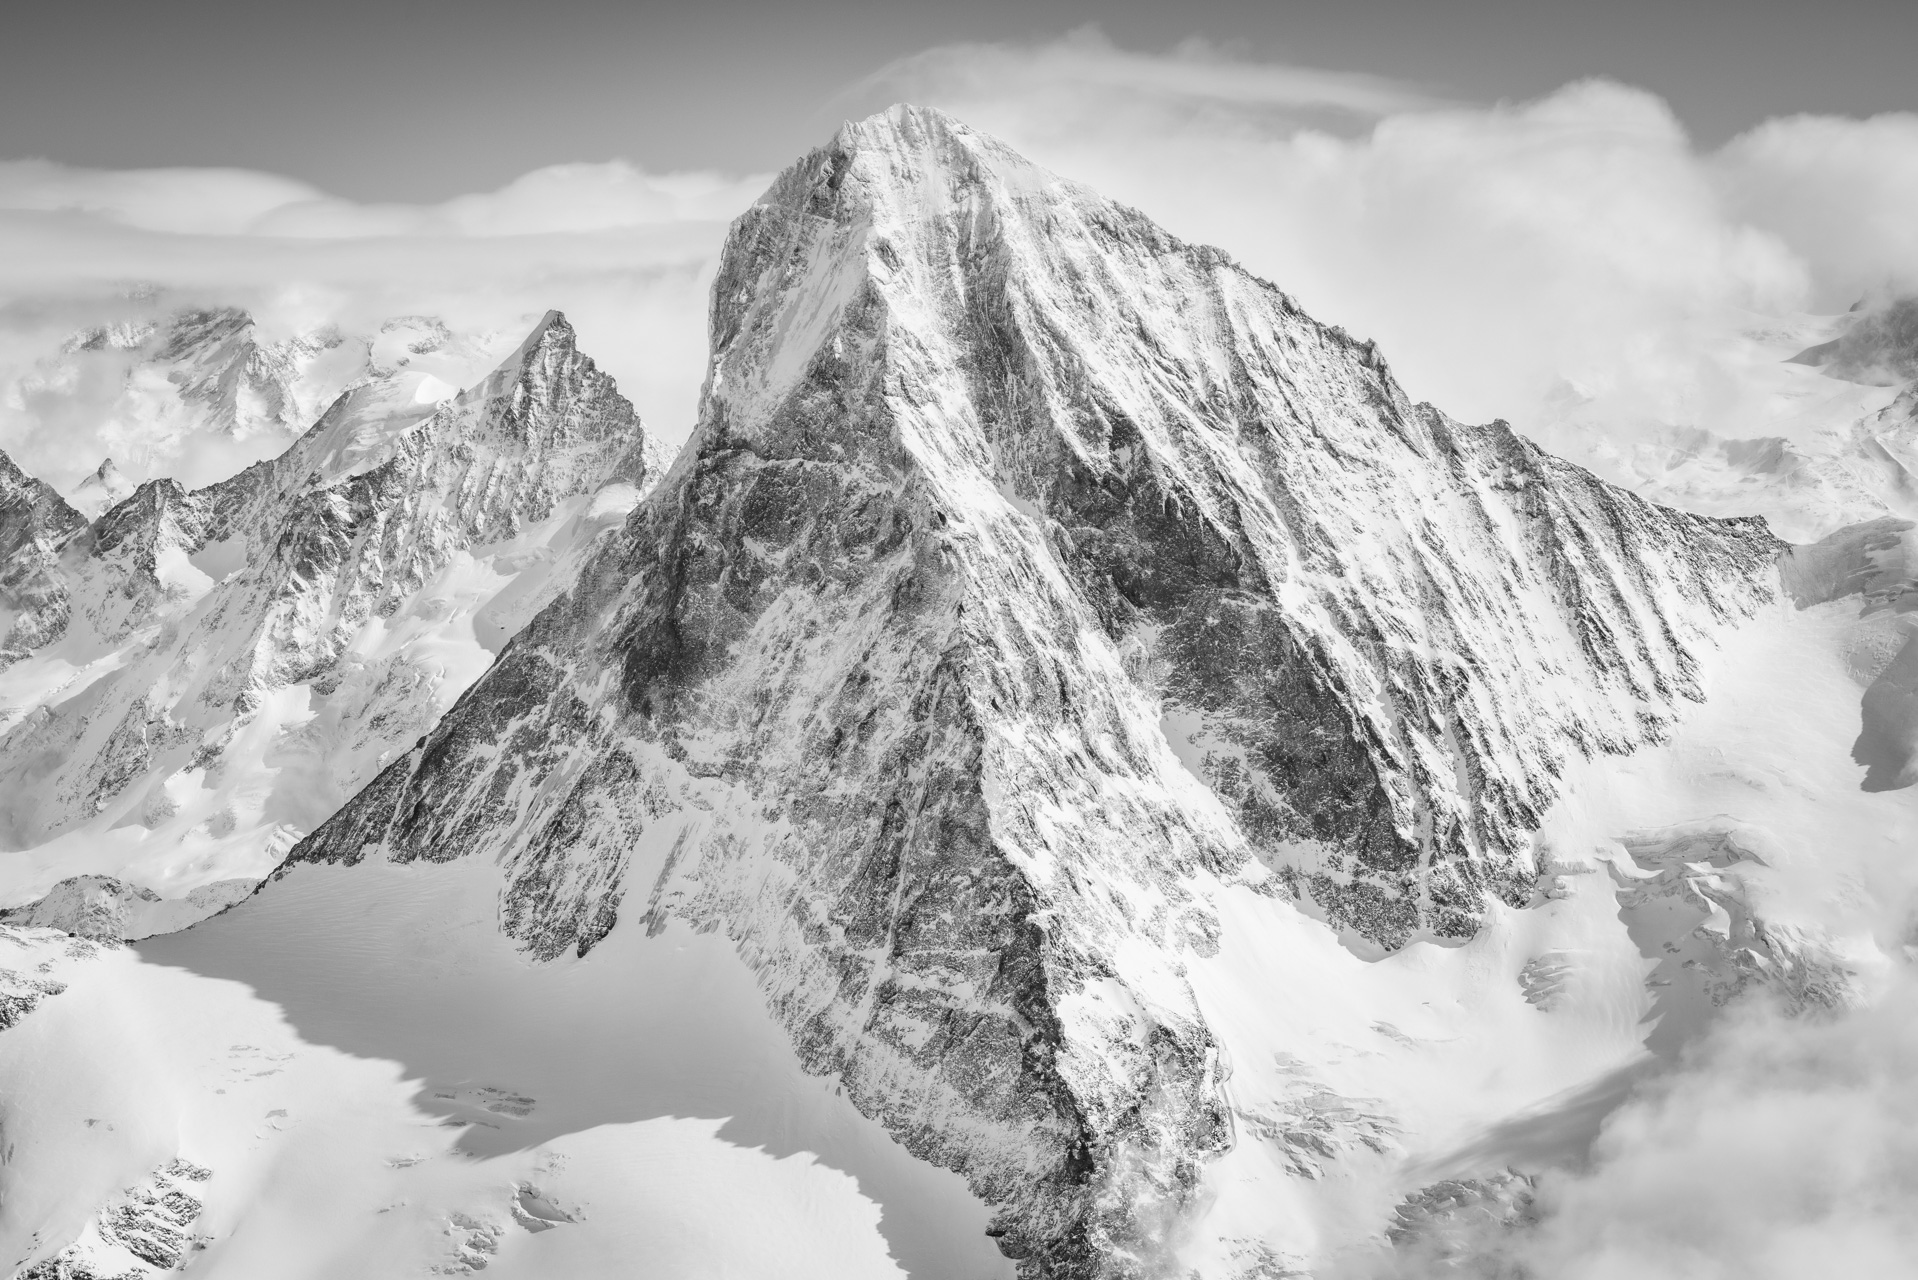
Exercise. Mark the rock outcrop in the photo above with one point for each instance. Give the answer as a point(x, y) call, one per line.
point(34, 522)
point(147, 1231)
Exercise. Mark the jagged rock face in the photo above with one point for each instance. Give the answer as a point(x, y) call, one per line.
point(20, 991)
point(34, 522)
point(147, 1231)
point(312, 614)
point(1025, 563)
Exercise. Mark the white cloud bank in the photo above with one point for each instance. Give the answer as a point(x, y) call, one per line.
point(626, 254)
point(1785, 1149)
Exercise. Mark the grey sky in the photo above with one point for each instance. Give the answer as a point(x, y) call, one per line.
point(421, 100)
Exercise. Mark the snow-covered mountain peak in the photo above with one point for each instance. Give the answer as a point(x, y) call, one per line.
point(1031, 579)
point(1877, 344)
point(205, 673)
point(105, 487)
point(1063, 356)
point(35, 521)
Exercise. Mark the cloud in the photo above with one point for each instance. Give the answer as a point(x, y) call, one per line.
point(1784, 1148)
point(187, 201)
point(1839, 192)
point(559, 198)
point(1779, 1148)
point(628, 255)
point(1194, 74)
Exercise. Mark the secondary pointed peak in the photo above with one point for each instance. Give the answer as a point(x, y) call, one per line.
point(101, 490)
point(552, 331)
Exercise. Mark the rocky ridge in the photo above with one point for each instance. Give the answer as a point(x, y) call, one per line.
point(34, 522)
point(1028, 566)
point(296, 622)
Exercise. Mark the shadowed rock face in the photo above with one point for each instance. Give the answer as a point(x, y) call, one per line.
point(1027, 568)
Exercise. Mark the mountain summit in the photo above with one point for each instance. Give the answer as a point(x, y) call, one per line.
point(1030, 578)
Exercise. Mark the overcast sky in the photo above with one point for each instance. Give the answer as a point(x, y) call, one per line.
point(426, 99)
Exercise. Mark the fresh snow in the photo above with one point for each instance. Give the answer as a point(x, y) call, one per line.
point(376, 1079)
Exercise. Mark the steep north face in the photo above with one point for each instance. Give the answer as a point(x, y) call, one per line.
point(1026, 562)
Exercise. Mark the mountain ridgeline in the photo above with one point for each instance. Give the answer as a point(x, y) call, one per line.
point(213, 671)
point(1027, 571)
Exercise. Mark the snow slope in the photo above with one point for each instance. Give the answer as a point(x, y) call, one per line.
point(365, 1069)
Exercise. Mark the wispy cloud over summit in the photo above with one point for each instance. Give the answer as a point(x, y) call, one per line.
point(1194, 74)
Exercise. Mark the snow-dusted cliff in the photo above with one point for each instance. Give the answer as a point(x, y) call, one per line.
point(201, 677)
point(34, 522)
point(1029, 576)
